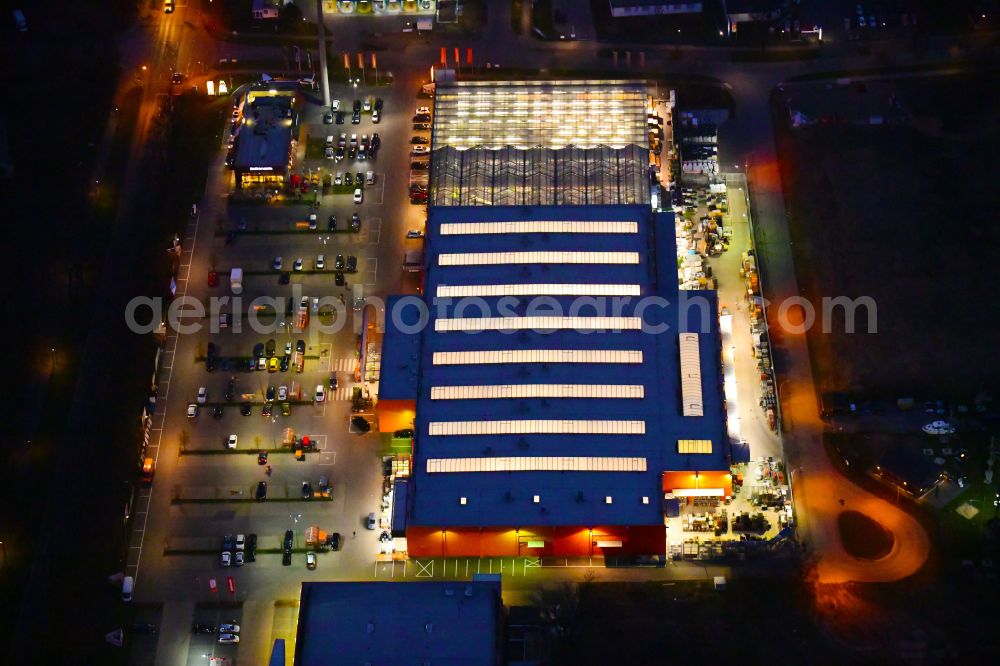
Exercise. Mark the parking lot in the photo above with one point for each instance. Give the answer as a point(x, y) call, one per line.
point(203, 489)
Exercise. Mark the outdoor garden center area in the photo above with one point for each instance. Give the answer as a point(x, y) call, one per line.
point(540, 143)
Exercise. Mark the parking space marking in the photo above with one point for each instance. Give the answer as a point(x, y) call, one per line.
point(425, 569)
point(374, 230)
point(170, 347)
point(343, 393)
point(324, 356)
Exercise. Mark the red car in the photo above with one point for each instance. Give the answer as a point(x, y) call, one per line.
point(213, 278)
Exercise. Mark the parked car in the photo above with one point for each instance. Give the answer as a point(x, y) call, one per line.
point(307, 490)
point(229, 638)
point(226, 559)
point(261, 494)
point(420, 150)
point(229, 628)
point(231, 442)
point(359, 195)
point(419, 140)
point(414, 233)
point(276, 264)
point(352, 264)
point(371, 520)
point(251, 547)
point(217, 412)
point(297, 266)
point(246, 408)
point(320, 262)
point(310, 560)
point(328, 118)
point(262, 457)
point(355, 222)
point(320, 393)
point(238, 558)
point(241, 542)
point(336, 541)
point(361, 423)
point(192, 411)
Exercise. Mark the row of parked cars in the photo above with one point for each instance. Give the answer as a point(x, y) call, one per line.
point(368, 104)
point(239, 550)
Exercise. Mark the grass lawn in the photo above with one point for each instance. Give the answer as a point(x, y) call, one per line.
point(902, 214)
point(862, 537)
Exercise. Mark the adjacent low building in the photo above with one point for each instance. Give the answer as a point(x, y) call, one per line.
point(266, 135)
point(379, 623)
point(627, 8)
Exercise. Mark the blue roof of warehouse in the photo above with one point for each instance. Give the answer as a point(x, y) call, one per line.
point(399, 623)
point(506, 498)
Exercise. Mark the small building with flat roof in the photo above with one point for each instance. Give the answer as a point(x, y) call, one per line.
point(265, 139)
point(427, 622)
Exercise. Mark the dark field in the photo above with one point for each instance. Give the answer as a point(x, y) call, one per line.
point(905, 214)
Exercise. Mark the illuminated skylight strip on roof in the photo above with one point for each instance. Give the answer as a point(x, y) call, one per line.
point(694, 446)
point(539, 227)
point(505, 356)
point(459, 291)
point(536, 427)
point(502, 391)
point(538, 323)
point(691, 375)
point(547, 257)
point(536, 464)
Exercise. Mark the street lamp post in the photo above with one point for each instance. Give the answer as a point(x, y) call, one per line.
point(53, 353)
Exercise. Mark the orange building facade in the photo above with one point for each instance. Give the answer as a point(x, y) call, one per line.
point(543, 541)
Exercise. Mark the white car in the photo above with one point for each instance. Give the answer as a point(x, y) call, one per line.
point(320, 393)
point(370, 178)
point(329, 153)
point(320, 262)
point(238, 559)
point(202, 395)
point(297, 266)
point(262, 364)
point(420, 150)
point(367, 106)
point(423, 110)
point(376, 116)
point(192, 411)
point(229, 628)
point(229, 638)
point(338, 179)
point(335, 105)
point(226, 559)
point(276, 264)
point(282, 393)
point(359, 195)
point(414, 233)
point(315, 304)
point(312, 221)
point(231, 442)
point(310, 560)
point(241, 544)
point(288, 348)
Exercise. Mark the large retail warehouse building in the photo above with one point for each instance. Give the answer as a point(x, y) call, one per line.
point(567, 387)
